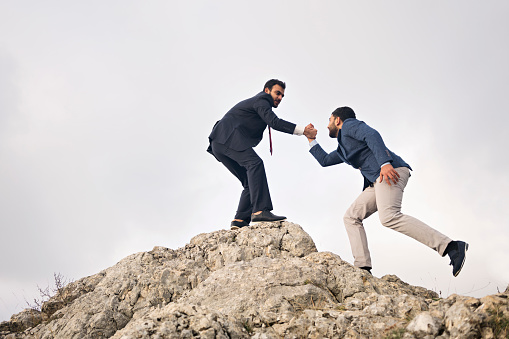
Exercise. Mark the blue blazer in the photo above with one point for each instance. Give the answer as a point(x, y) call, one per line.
point(243, 125)
point(361, 147)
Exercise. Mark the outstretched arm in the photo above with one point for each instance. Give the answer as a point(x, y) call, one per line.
point(325, 159)
point(307, 131)
point(263, 107)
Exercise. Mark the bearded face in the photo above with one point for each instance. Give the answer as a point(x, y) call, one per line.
point(277, 93)
point(333, 126)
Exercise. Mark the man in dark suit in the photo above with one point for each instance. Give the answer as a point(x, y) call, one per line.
point(232, 141)
point(362, 147)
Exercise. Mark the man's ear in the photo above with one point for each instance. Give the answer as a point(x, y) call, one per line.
point(267, 90)
point(337, 121)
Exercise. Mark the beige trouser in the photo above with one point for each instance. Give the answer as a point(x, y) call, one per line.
point(387, 200)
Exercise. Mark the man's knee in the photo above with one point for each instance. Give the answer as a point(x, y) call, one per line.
point(388, 219)
point(350, 219)
point(245, 184)
point(355, 214)
point(347, 219)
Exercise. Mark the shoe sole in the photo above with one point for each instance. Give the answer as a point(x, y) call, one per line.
point(463, 262)
point(258, 221)
point(234, 228)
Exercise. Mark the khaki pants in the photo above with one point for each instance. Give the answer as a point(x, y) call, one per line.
point(387, 201)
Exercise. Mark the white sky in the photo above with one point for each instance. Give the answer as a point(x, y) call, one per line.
point(105, 109)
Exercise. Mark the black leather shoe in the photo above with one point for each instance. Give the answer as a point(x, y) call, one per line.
point(457, 251)
point(266, 216)
point(235, 225)
point(367, 269)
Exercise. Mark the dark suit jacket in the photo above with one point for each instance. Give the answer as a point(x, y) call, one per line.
point(243, 125)
point(362, 147)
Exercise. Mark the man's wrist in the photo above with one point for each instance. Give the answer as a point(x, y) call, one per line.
point(299, 130)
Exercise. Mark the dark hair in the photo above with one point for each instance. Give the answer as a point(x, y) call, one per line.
point(273, 82)
point(344, 113)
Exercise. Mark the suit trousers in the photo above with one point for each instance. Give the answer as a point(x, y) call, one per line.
point(248, 167)
point(387, 201)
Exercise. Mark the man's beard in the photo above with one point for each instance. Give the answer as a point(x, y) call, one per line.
point(333, 132)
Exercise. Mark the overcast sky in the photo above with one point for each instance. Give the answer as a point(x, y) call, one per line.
point(106, 106)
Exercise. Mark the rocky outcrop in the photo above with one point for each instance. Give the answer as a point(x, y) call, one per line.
point(262, 281)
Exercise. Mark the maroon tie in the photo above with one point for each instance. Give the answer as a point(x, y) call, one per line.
point(270, 141)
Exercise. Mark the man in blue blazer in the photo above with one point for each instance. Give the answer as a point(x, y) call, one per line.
point(385, 177)
point(232, 141)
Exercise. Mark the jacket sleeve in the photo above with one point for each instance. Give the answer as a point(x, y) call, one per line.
point(263, 106)
point(374, 141)
point(323, 158)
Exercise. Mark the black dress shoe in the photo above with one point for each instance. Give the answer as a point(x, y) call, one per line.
point(457, 251)
point(266, 216)
point(235, 225)
point(367, 269)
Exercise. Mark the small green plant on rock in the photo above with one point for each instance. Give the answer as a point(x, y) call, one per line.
point(395, 334)
point(248, 327)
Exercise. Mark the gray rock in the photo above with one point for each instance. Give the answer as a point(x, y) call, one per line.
point(19, 322)
point(424, 324)
point(263, 281)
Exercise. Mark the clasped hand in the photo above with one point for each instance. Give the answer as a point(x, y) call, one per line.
point(310, 132)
